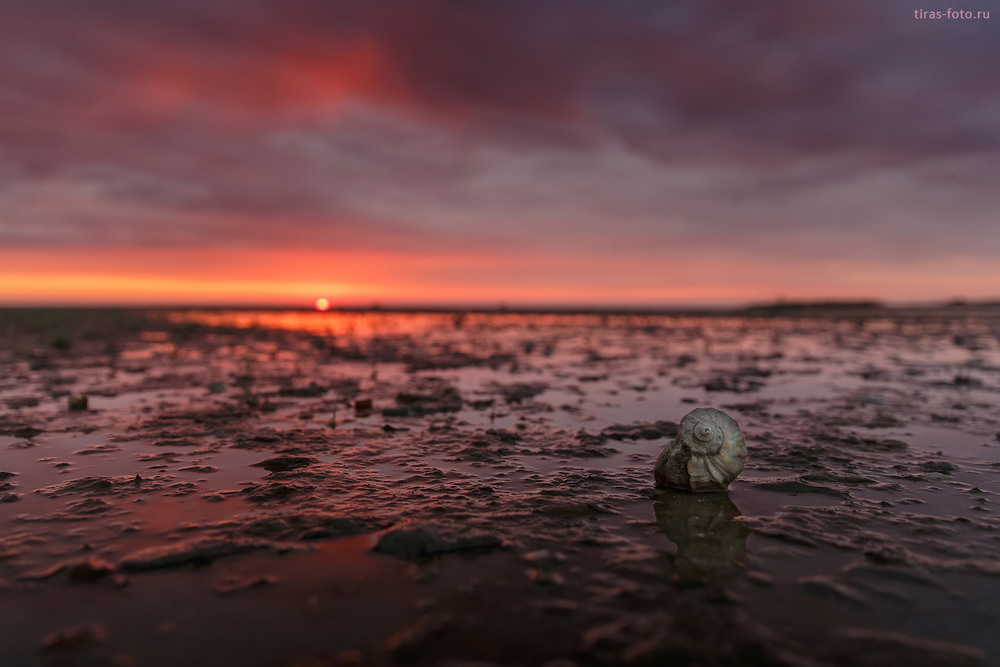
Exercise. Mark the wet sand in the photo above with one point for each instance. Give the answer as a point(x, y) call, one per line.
point(270, 488)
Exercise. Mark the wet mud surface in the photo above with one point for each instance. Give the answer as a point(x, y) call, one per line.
point(265, 488)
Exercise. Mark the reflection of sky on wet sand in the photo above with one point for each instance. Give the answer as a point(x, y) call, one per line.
point(56, 458)
point(710, 541)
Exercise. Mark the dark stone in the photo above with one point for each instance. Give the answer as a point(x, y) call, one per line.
point(938, 466)
point(416, 542)
point(284, 463)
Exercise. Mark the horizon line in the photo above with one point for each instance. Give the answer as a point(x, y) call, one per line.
point(779, 305)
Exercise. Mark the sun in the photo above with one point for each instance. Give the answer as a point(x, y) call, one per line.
point(322, 304)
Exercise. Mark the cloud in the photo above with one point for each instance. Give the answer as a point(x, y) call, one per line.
point(802, 75)
point(636, 128)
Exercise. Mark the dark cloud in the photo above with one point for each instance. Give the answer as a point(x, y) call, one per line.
point(789, 126)
point(803, 74)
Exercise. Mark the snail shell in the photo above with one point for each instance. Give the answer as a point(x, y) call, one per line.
point(707, 454)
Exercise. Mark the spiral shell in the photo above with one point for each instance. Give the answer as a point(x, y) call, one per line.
point(707, 454)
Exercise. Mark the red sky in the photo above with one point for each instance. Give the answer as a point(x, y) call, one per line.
point(551, 151)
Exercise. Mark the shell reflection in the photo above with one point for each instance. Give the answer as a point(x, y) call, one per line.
point(710, 541)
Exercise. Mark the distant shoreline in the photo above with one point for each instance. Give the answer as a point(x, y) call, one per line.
point(776, 309)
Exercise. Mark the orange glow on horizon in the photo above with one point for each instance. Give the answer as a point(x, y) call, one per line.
point(289, 276)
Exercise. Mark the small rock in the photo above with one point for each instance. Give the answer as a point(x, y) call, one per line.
point(938, 466)
point(284, 463)
point(77, 403)
point(88, 570)
point(415, 542)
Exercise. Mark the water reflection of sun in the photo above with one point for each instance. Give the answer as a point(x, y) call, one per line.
point(322, 304)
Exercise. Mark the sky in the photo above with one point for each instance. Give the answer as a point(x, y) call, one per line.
point(584, 152)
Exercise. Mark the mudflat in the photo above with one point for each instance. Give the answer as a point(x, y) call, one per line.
point(215, 487)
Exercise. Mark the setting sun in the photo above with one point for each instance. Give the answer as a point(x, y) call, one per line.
point(322, 304)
